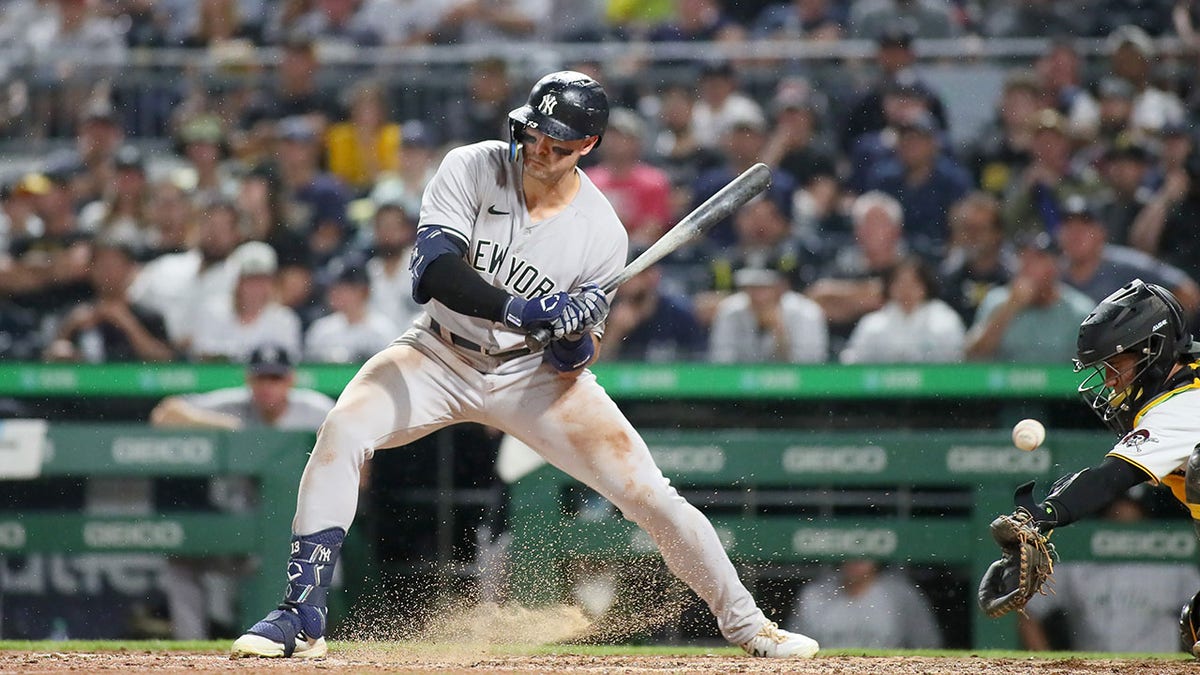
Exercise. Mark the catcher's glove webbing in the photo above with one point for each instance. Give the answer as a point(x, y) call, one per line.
point(1022, 571)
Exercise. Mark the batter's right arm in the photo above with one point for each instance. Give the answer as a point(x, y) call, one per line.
point(440, 272)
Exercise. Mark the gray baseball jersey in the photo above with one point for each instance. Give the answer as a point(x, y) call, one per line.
point(476, 197)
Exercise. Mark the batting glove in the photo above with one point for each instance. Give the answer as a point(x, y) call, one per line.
point(593, 303)
point(567, 355)
point(541, 312)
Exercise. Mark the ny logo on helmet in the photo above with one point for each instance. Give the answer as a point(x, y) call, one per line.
point(546, 107)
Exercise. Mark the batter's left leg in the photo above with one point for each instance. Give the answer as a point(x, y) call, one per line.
point(576, 427)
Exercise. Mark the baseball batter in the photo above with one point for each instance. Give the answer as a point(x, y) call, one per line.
point(1144, 383)
point(512, 238)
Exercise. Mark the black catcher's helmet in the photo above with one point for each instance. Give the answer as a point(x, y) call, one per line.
point(1141, 319)
point(566, 105)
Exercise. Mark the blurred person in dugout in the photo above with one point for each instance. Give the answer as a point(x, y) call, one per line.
point(199, 591)
point(1111, 606)
point(866, 607)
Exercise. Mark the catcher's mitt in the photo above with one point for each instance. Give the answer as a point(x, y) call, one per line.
point(1026, 565)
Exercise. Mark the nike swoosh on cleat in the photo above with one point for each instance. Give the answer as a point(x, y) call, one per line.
point(492, 210)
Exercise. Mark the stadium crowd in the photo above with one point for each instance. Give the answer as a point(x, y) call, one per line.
point(284, 210)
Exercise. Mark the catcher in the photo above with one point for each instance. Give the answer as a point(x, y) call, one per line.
point(1144, 383)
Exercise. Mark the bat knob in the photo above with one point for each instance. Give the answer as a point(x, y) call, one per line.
point(537, 340)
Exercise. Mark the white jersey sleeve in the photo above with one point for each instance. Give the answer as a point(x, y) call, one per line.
point(1164, 434)
point(453, 196)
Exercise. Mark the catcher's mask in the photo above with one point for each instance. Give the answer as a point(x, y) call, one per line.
point(1140, 319)
point(567, 106)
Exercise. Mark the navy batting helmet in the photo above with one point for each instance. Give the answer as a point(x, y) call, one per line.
point(566, 105)
point(1141, 319)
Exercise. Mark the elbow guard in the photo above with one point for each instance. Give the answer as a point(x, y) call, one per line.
point(432, 243)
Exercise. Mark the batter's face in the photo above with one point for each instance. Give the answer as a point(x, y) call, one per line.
point(547, 160)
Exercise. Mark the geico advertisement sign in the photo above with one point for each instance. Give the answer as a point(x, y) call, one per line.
point(854, 459)
point(133, 534)
point(864, 541)
point(1149, 544)
point(689, 459)
point(996, 459)
point(12, 535)
point(158, 450)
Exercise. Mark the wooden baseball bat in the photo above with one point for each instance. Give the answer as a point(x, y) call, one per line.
point(716, 208)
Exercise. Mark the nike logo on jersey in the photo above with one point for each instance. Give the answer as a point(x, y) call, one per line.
point(496, 212)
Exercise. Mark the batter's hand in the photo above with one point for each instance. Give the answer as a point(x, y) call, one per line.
point(556, 312)
point(592, 304)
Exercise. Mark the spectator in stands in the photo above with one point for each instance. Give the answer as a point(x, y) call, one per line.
point(913, 327)
point(698, 21)
point(1097, 268)
point(253, 317)
point(18, 209)
point(649, 324)
point(766, 322)
point(808, 20)
point(1132, 54)
point(314, 201)
point(836, 607)
point(71, 35)
point(340, 24)
point(1058, 70)
point(925, 181)
point(1175, 146)
point(1112, 606)
point(261, 206)
point(1035, 318)
point(353, 331)
point(185, 23)
point(926, 18)
point(470, 22)
point(1034, 201)
point(177, 284)
point(123, 212)
point(296, 91)
point(394, 230)
point(979, 259)
point(364, 146)
point(482, 112)
point(1033, 18)
point(676, 147)
point(743, 143)
point(1114, 98)
point(1001, 150)
point(172, 219)
point(764, 239)
point(1166, 227)
point(48, 271)
point(721, 104)
point(902, 102)
point(419, 156)
point(1125, 169)
point(852, 283)
point(796, 144)
point(97, 139)
point(269, 399)
point(639, 192)
point(204, 148)
point(108, 327)
point(894, 59)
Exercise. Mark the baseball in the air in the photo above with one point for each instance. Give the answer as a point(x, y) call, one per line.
point(1028, 434)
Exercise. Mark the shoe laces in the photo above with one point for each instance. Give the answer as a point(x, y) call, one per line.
point(770, 630)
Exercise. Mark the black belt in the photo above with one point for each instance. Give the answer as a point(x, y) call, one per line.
point(460, 341)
